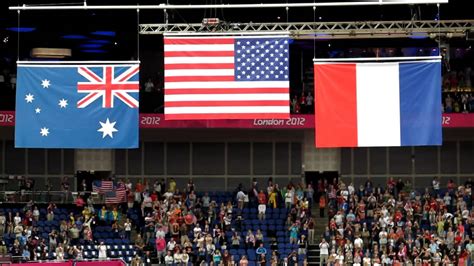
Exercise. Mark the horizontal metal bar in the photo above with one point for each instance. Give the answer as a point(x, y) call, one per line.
point(74, 62)
point(327, 30)
point(366, 59)
point(270, 33)
point(223, 6)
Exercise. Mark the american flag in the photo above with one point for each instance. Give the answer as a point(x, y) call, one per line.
point(108, 86)
point(101, 186)
point(226, 77)
point(118, 195)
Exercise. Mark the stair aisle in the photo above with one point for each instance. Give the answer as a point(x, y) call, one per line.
point(319, 227)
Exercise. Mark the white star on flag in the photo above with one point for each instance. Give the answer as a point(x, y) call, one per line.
point(63, 103)
point(44, 132)
point(38, 110)
point(107, 128)
point(45, 83)
point(29, 98)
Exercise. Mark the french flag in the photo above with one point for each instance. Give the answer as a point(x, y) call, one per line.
point(378, 104)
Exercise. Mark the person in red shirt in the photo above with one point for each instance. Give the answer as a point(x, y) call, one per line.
point(138, 187)
point(160, 249)
point(154, 196)
point(80, 203)
point(302, 102)
point(322, 205)
point(262, 198)
point(451, 185)
point(398, 216)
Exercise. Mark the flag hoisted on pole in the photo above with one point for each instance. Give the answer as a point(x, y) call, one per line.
point(61, 105)
point(377, 104)
point(223, 77)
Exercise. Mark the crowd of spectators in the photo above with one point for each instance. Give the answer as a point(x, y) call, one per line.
point(257, 226)
point(398, 225)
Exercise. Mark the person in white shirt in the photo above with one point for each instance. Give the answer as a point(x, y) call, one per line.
point(102, 251)
point(197, 230)
point(240, 199)
point(339, 218)
point(17, 219)
point(171, 244)
point(185, 258)
point(169, 260)
point(60, 252)
point(128, 228)
point(36, 213)
point(435, 184)
point(340, 258)
point(383, 237)
point(177, 257)
point(323, 252)
point(358, 242)
point(351, 189)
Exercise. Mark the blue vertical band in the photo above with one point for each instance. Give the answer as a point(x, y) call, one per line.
point(420, 103)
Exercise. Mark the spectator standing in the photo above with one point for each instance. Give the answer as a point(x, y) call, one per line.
point(309, 103)
point(60, 252)
point(3, 222)
point(322, 205)
point(65, 189)
point(435, 184)
point(302, 102)
point(262, 205)
point(149, 86)
point(323, 252)
point(172, 185)
point(102, 251)
point(160, 249)
point(302, 245)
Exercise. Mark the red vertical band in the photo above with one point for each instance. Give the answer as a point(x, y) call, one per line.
point(335, 105)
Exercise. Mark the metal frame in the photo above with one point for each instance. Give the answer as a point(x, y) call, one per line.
point(328, 30)
point(366, 59)
point(221, 6)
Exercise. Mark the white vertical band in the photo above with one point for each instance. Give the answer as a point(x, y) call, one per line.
point(378, 104)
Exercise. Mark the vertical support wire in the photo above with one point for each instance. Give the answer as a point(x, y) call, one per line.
point(314, 33)
point(439, 28)
point(18, 37)
point(138, 34)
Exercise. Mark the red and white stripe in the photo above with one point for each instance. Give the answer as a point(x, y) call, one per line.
point(108, 87)
point(117, 196)
point(200, 83)
point(105, 186)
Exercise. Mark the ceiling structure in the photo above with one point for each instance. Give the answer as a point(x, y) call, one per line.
point(327, 30)
point(113, 34)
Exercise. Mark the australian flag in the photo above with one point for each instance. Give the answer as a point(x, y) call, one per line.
point(77, 106)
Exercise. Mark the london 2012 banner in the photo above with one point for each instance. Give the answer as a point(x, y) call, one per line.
point(77, 105)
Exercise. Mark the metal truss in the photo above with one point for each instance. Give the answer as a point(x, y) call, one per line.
point(325, 30)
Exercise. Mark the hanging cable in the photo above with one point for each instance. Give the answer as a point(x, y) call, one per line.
point(138, 34)
point(439, 28)
point(18, 38)
point(314, 37)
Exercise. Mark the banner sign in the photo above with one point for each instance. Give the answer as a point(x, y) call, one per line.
point(7, 118)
